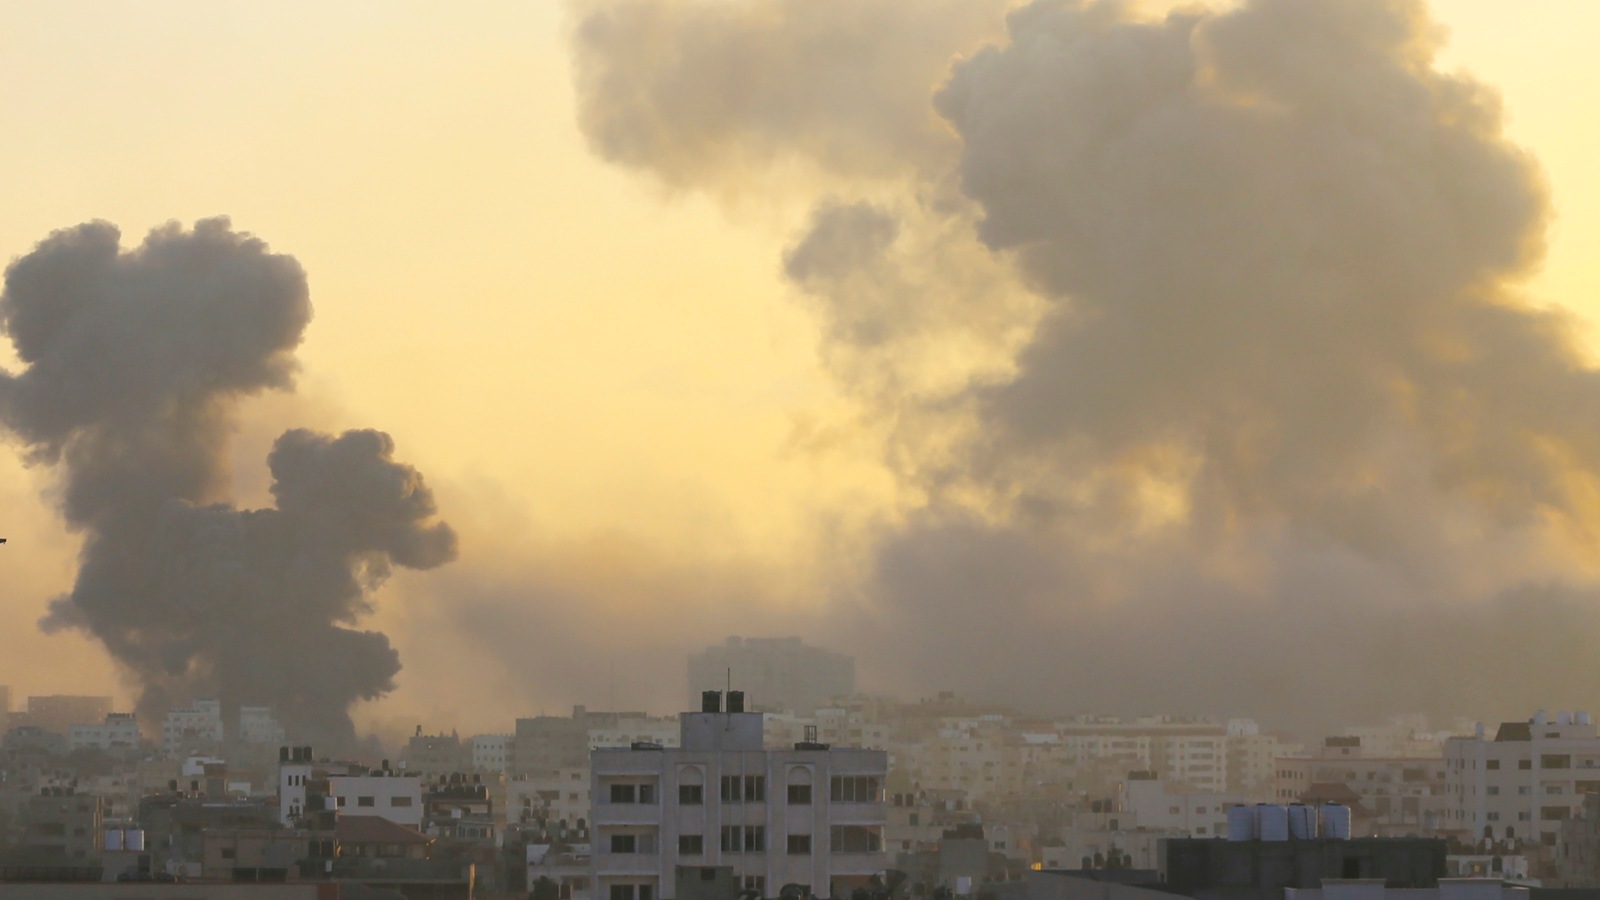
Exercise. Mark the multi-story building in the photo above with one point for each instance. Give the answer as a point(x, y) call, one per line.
point(258, 726)
point(434, 755)
point(491, 752)
point(784, 672)
point(388, 795)
point(1187, 751)
point(812, 816)
point(196, 729)
point(558, 798)
point(1527, 780)
point(118, 733)
point(546, 743)
point(1155, 806)
point(1389, 796)
point(62, 827)
point(1253, 757)
point(59, 712)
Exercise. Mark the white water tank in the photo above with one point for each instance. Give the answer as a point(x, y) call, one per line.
point(1563, 718)
point(133, 839)
point(113, 840)
point(1540, 718)
point(1581, 717)
point(1272, 822)
point(1335, 821)
point(1242, 823)
point(1302, 822)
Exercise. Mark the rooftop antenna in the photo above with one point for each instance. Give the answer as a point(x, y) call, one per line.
point(727, 718)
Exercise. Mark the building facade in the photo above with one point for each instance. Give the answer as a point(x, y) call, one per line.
point(812, 816)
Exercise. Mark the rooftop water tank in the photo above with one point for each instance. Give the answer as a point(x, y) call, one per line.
point(1581, 717)
point(1242, 823)
point(1335, 821)
point(1302, 822)
point(133, 839)
point(1272, 822)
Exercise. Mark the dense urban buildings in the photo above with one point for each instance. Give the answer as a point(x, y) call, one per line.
point(827, 795)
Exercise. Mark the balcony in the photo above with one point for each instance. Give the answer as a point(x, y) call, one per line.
point(626, 863)
point(626, 814)
point(857, 863)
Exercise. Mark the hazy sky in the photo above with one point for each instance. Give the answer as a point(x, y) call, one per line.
point(610, 386)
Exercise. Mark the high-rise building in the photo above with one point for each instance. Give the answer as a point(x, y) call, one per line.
point(785, 673)
point(1522, 784)
point(812, 816)
point(59, 712)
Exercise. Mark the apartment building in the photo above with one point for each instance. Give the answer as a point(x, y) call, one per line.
point(118, 733)
point(1155, 806)
point(1525, 782)
point(813, 815)
point(1388, 796)
point(197, 728)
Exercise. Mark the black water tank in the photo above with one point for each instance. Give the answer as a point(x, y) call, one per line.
point(736, 701)
point(711, 701)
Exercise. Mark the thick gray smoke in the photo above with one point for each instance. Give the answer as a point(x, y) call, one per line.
point(1280, 435)
point(134, 362)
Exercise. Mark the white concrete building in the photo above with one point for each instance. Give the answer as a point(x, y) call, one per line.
point(198, 727)
point(397, 798)
point(1523, 783)
point(560, 795)
point(258, 726)
point(119, 731)
point(1155, 805)
point(812, 815)
point(491, 752)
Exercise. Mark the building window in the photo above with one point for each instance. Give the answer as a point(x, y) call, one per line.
point(730, 839)
point(366, 801)
point(799, 845)
point(1555, 761)
point(227, 853)
point(1524, 764)
point(732, 789)
point(799, 795)
point(399, 801)
point(855, 839)
point(624, 843)
point(624, 793)
point(755, 838)
point(1493, 790)
point(854, 789)
point(647, 793)
point(691, 844)
point(755, 788)
point(691, 795)
point(756, 883)
point(1492, 764)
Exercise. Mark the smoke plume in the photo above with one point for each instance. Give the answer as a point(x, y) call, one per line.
point(1273, 429)
point(134, 362)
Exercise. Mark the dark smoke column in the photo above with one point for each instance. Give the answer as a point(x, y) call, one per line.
point(134, 364)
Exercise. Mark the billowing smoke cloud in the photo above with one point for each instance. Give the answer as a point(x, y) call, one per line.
point(134, 362)
point(1276, 432)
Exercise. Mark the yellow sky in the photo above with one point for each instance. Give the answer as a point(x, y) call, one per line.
point(568, 358)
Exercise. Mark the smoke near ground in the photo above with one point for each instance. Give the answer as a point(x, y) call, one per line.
point(134, 361)
point(1198, 336)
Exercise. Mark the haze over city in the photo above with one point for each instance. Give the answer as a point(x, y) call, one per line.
point(387, 364)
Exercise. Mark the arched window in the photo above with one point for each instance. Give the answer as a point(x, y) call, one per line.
point(799, 785)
